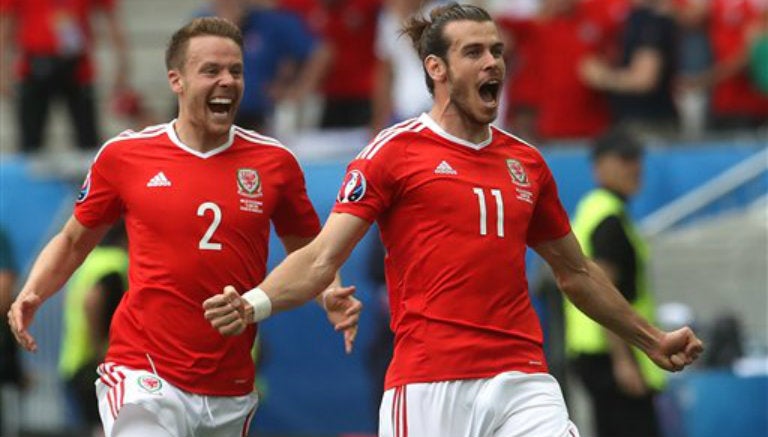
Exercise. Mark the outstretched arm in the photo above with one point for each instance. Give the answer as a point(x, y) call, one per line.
point(303, 275)
point(329, 300)
point(53, 267)
point(587, 286)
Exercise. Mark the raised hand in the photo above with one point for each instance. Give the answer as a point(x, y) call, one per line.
point(343, 311)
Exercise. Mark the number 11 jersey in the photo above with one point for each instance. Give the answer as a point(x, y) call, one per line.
point(455, 218)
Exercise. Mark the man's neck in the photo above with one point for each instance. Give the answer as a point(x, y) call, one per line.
point(460, 127)
point(195, 136)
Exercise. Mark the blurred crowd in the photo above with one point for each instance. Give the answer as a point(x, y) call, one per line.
point(669, 68)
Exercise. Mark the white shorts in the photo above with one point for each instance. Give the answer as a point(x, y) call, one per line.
point(179, 412)
point(511, 404)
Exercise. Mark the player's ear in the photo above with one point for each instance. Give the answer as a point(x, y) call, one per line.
point(176, 81)
point(436, 68)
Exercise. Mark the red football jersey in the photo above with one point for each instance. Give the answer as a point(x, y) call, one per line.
point(455, 219)
point(196, 222)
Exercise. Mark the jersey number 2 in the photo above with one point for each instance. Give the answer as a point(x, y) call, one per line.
point(496, 193)
point(205, 242)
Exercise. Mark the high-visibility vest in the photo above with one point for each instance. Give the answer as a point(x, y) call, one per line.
point(582, 334)
point(76, 347)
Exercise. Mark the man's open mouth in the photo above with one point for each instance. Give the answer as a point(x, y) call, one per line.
point(220, 105)
point(489, 91)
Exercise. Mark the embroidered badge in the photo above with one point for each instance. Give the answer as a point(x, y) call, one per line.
point(150, 383)
point(517, 171)
point(248, 182)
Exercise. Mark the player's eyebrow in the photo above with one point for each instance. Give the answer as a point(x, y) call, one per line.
point(210, 64)
point(471, 46)
point(496, 46)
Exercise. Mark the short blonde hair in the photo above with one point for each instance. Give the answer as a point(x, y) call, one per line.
point(175, 53)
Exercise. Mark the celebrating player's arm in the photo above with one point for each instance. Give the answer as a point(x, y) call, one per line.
point(588, 287)
point(53, 267)
point(306, 273)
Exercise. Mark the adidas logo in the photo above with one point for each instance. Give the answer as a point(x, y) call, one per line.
point(445, 168)
point(159, 180)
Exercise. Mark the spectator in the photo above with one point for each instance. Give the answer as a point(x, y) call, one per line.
point(640, 84)
point(694, 58)
point(565, 33)
point(518, 27)
point(283, 61)
point(620, 380)
point(92, 296)
point(10, 367)
point(54, 44)
point(349, 29)
point(737, 102)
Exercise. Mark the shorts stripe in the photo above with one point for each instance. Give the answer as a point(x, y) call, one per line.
point(104, 375)
point(399, 413)
point(114, 379)
point(110, 375)
point(247, 424)
point(396, 412)
point(405, 411)
point(111, 401)
point(122, 394)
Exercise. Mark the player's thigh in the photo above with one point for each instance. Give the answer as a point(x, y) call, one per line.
point(135, 421)
point(226, 415)
point(524, 405)
point(428, 409)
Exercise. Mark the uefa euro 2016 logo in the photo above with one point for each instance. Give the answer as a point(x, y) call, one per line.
point(353, 188)
point(85, 188)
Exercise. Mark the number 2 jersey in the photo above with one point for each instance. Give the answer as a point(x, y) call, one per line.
point(196, 222)
point(455, 219)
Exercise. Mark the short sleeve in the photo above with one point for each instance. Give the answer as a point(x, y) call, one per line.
point(367, 189)
point(99, 201)
point(294, 214)
point(549, 220)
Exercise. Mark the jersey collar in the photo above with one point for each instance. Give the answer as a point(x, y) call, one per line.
point(430, 123)
point(175, 139)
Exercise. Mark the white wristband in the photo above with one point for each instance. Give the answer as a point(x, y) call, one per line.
point(262, 306)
